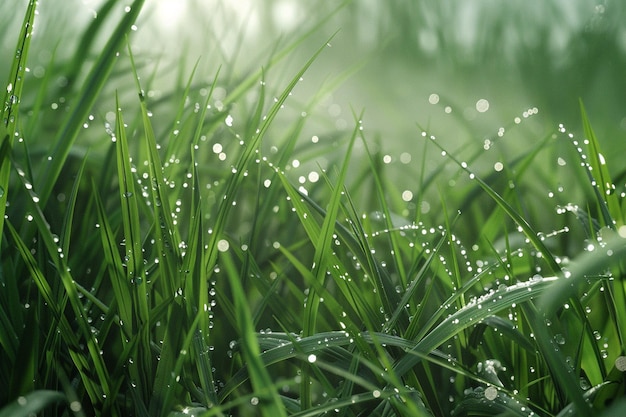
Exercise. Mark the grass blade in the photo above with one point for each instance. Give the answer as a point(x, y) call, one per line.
point(269, 401)
point(32, 403)
point(510, 211)
point(94, 83)
point(11, 104)
point(608, 198)
point(139, 327)
point(244, 160)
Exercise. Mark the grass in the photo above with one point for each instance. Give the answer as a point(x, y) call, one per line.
point(189, 251)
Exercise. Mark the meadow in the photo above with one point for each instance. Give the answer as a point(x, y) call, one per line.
point(398, 221)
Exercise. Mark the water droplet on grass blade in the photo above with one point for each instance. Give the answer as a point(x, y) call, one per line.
point(482, 105)
point(491, 393)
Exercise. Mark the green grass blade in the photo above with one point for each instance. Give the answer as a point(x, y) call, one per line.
point(196, 289)
point(588, 266)
point(32, 403)
point(249, 81)
point(173, 144)
point(608, 199)
point(473, 313)
point(172, 356)
point(11, 104)
point(322, 259)
point(134, 261)
point(269, 402)
point(94, 83)
point(119, 284)
point(510, 211)
point(562, 374)
point(93, 388)
point(68, 221)
point(249, 151)
point(167, 239)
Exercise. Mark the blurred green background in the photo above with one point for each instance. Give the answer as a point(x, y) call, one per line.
point(515, 54)
point(462, 69)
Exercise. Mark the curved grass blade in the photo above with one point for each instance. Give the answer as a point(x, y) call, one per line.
point(510, 211)
point(586, 266)
point(32, 403)
point(504, 327)
point(471, 314)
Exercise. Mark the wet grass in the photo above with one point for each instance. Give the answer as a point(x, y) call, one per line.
point(194, 250)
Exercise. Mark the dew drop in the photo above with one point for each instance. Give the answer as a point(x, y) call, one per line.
point(482, 105)
point(491, 393)
point(222, 245)
point(75, 406)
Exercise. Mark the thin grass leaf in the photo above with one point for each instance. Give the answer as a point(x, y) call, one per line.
point(506, 328)
point(174, 353)
point(562, 374)
point(269, 402)
point(410, 292)
point(473, 313)
point(393, 240)
point(322, 259)
point(32, 403)
point(94, 83)
point(113, 261)
point(609, 204)
point(68, 221)
point(387, 294)
point(11, 104)
point(93, 388)
point(167, 236)
point(8, 335)
point(588, 266)
point(245, 158)
point(195, 259)
point(173, 145)
point(134, 261)
point(510, 211)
